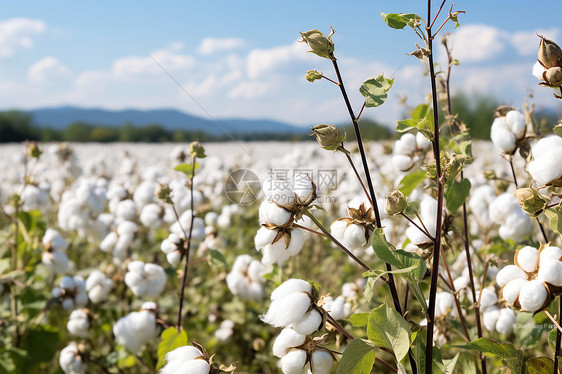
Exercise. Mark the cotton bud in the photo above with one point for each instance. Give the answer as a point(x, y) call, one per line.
point(395, 203)
point(186, 359)
point(98, 286)
point(550, 54)
point(554, 76)
point(164, 193)
point(287, 339)
point(319, 44)
point(145, 280)
point(313, 75)
point(530, 200)
point(71, 361)
point(533, 296)
point(196, 150)
point(78, 323)
point(329, 137)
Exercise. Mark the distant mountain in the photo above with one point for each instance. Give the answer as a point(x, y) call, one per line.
point(170, 119)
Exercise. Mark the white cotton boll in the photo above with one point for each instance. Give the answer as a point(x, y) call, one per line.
point(144, 193)
point(122, 244)
point(287, 339)
point(516, 227)
point(550, 254)
point(551, 272)
point(422, 142)
point(225, 330)
point(173, 258)
point(289, 287)
point(145, 280)
point(78, 323)
point(401, 162)
point(194, 367)
point(278, 252)
point(490, 317)
point(444, 304)
point(108, 243)
point(170, 244)
point(309, 324)
point(501, 136)
point(70, 360)
point(516, 122)
point(68, 304)
point(509, 273)
point(406, 144)
point(336, 307)
point(178, 356)
point(211, 218)
point(505, 322)
point(294, 362)
point(287, 310)
point(54, 241)
point(489, 297)
point(526, 258)
point(533, 295)
point(354, 237)
point(302, 186)
point(150, 215)
point(546, 166)
point(56, 262)
point(321, 362)
point(511, 290)
point(98, 286)
point(416, 236)
point(272, 213)
point(502, 206)
point(126, 210)
point(480, 199)
point(337, 229)
point(538, 70)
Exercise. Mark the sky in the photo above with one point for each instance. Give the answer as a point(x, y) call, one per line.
point(224, 59)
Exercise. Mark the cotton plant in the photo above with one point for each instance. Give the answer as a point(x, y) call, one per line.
point(514, 223)
point(145, 279)
point(54, 255)
point(531, 283)
point(71, 359)
point(79, 323)
point(245, 279)
point(98, 286)
point(508, 129)
point(409, 150)
point(187, 359)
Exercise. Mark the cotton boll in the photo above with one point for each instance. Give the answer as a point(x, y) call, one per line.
point(355, 237)
point(178, 357)
point(287, 310)
point(406, 144)
point(480, 199)
point(538, 70)
point(289, 287)
point(53, 240)
point(70, 360)
point(517, 226)
point(501, 136)
point(505, 322)
point(533, 296)
point(302, 186)
point(225, 330)
point(309, 324)
point(488, 297)
point(108, 243)
point(526, 258)
point(194, 367)
point(287, 339)
point(516, 122)
point(490, 317)
point(145, 280)
point(294, 362)
point(270, 212)
point(512, 289)
point(98, 286)
point(402, 162)
point(126, 210)
point(56, 262)
point(336, 307)
point(509, 273)
point(78, 323)
point(551, 272)
point(321, 362)
point(150, 215)
point(144, 194)
point(546, 167)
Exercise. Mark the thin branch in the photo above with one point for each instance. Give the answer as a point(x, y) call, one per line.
point(437, 14)
point(424, 230)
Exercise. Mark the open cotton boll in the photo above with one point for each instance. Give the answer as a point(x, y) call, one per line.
point(336, 307)
point(151, 215)
point(546, 166)
point(185, 360)
point(78, 323)
point(401, 162)
point(489, 297)
point(511, 290)
point(551, 272)
point(302, 186)
point(56, 262)
point(70, 360)
point(278, 252)
point(502, 137)
point(144, 193)
point(225, 330)
point(287, 310)
point(515, 121)
point(490, 317)
point(516, 227)
point(289, 287)
point(53, 240)
point(309, 324)
point(33, 198)
point(538, 70)
point(533, 295)
point(270, 212)
point(526, 258)
point(245, 278)
point(422, 142)
point(406, 145)
point(550, 254)
point(294, 362)
point(126, 210)
point(480, 199)
point(98, 286)
point(136, 329)
point(287, 339)
point(506, 320)
point(145, 280)
point(321, 362)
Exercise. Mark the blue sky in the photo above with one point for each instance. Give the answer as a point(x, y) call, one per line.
point(241, 59)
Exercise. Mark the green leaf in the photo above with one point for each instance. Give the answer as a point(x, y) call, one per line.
point(171, 339)
point(411, 181)
point(512, 357)
point(358, 358)
point(555, 219)
point(406, 125)
point(397, 257)
point(558, 129)
point(540, 365)
point(389, 329)
point(552, 338)
point(217, 257)
point(41, 344)
point(187, 169)
point(456, 194)
point(413, 207)
point(375, 90)
point(359, 319)
point(394, 20)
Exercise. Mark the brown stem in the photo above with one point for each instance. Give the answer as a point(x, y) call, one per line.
point(438, 12)
point(188, 241)
point(458, 305)
point(513, 172)
point(358, 176)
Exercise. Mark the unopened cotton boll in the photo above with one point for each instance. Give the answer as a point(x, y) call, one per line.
point(546, 166)
point(78, 323)
point(145, 280)
point(98, 286)
point(186, 359)
point(287, 339)
point(70, 360)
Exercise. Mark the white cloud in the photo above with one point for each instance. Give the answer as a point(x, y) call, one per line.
point(527, 42)
point(135, 67)
point(248, 90)
point(474, 43)
point(211, 45)
point(48, 68)
point(16, 34)
point(262, 61)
